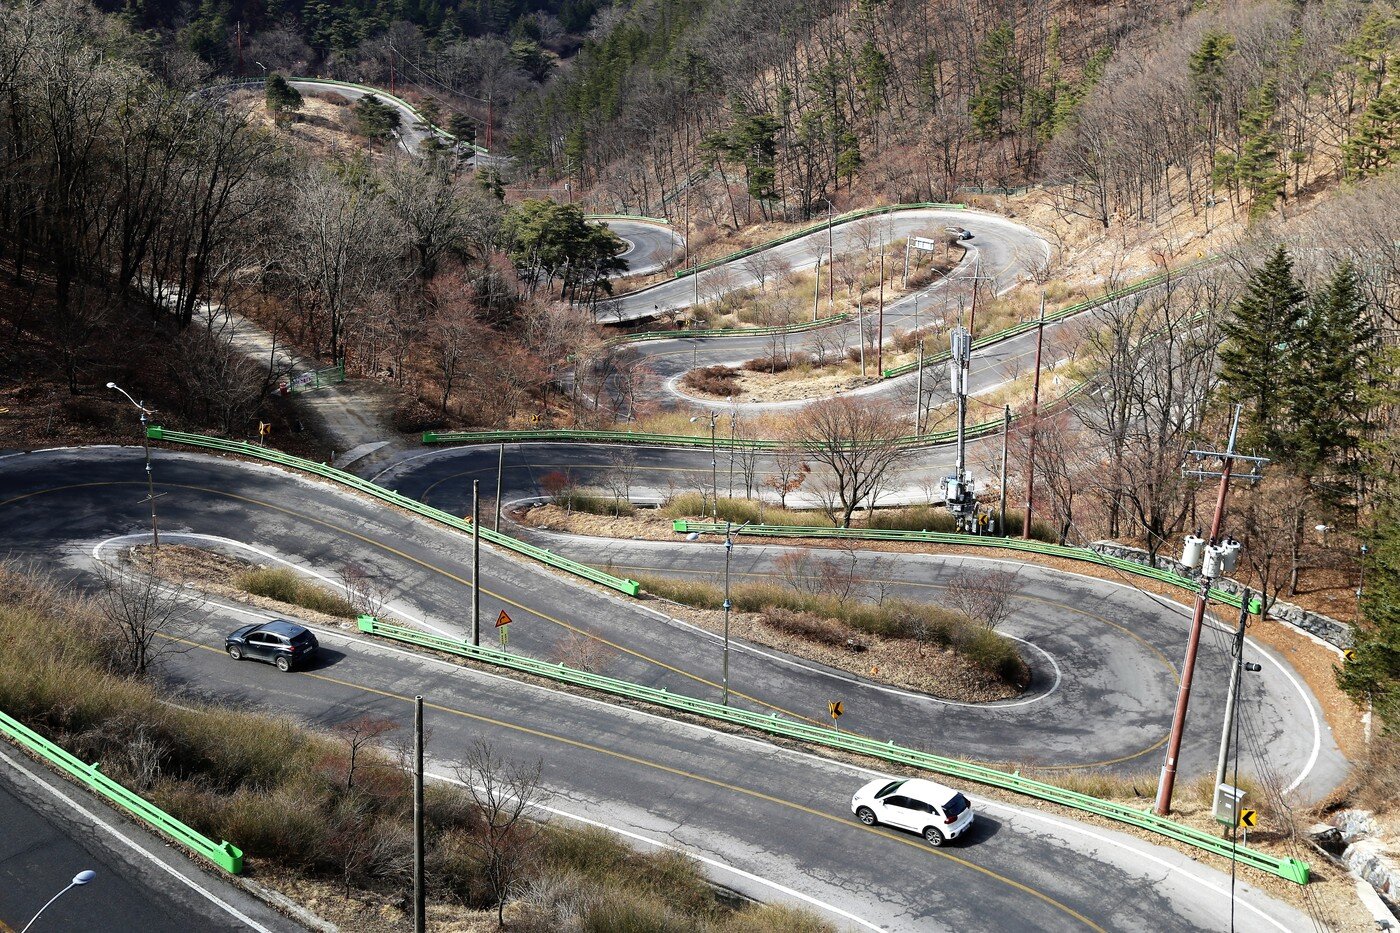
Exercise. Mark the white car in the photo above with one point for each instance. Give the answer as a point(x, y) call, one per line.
point(939, 813)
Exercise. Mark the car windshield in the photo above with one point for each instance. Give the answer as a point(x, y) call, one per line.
point(956, 805)
point(888, 789)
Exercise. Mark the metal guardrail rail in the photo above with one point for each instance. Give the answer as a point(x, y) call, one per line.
point(814, 228)
point(1291, 869)
point(224, 854)
point(941, 537)
point(640, 218)
point(728, 331)
point(629, 587)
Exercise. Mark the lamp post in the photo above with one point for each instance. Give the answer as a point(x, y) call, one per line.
point(80, 879)
point(729, 530)
point(714, 465)
point(146, 443)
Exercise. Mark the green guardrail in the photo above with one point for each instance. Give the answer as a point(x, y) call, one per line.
point(224, 854)
point(728, 331)
point(1151, 281)
point(640, 218)
point(814, 228)
point(1291, 869)
point(544, 556)
point(942, 537)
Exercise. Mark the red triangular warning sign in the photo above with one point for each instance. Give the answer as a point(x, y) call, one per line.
point(502, 619)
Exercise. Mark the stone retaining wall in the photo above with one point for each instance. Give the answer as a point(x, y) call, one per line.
point(1314, 623)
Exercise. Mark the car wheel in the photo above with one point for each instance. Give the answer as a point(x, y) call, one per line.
point(235, 652)
point(283, 663)
point(933, 837)
point(866, 816)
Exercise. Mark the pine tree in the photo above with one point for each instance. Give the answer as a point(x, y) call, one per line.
point(1373, 674)
point(1376, 140)
point(1260, 338)
point(282, 99)
point(1333, 362)
point(998, 80)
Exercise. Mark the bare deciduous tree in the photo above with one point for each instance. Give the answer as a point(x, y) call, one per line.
point(857, 441)
point(790, 471)
point(145, 617)
point(356, 734)
point(504, 835)
point(986, 596)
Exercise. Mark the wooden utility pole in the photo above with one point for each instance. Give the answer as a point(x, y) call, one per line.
point(880, 328)
point(500, 473)
point(1035, 415)
point(1005, 433)
point(1228, 457)
point(420, 893)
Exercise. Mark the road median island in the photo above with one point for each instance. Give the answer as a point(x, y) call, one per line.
point(774, 725)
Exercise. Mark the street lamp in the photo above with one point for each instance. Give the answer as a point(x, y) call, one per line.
point(146, 443)
point(80, 879)
point(714, 466)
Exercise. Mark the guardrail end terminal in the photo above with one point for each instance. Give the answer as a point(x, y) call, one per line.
point(155, 432)
point(365, 623)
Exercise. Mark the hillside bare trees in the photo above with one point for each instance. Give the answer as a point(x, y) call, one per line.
point(855, 443)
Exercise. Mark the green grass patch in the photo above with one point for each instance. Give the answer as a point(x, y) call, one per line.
point(287, 586)
point(738, 511)
point(593, 503)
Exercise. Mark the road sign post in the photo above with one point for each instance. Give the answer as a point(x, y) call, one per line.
point(835, 709)
point(503, 628)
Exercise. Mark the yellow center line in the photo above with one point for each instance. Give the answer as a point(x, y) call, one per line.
point(435, 569)
point(678, 772)
point(1171, 668)
point(723, 785)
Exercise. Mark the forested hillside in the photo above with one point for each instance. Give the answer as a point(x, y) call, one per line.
point(1130, 109)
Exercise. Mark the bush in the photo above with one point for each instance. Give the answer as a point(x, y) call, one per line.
point(778, 364)
point(808, 625)
point(714, 380)
point(738, 511)
point(413, 417)
point(913, 518)
point(286, 586)
point(593, 503)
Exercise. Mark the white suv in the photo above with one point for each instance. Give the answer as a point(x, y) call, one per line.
point(939, 813)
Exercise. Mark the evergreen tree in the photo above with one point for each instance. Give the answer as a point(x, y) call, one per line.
point(1376, 140)
point(1331, 371)
point(1260, 339)
point(998, 80)
point(1373, 674)
point(374, 119)
point(282, 99)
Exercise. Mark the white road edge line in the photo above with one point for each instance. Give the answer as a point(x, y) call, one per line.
point(73, 804)
point(713, 863)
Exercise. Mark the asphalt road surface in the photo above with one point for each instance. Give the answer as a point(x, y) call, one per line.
point(648, 246)
point(51, 830)
point(774, 821)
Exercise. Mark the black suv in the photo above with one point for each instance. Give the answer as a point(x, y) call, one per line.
point(279, 642)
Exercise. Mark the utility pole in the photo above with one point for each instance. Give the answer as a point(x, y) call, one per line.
point(830, 262)
point(1005, 433)
point(728, 548)
point(1035, 415)
point(880, 330)
point(393, 89)
point(500, 473)
point(1232, 695)
point(1218, 557)
point(476, 562)
point(490, 121)
point(146, 446)
point(420, 898)
point(817, 286)
point(919, 386)
point(238, 40)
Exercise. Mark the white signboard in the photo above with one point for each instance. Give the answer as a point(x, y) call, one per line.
point(923, 243)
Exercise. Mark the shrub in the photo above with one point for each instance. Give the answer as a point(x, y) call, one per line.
point(593, 503)
point(913, 518)
point(808, 625)
point(286, 586)
point(777, 364)
point(715, 380)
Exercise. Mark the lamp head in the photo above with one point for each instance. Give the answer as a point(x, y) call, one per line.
point(693, 536)
point(84, 876)
point(111, 385)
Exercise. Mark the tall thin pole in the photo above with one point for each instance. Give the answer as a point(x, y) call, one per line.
point(500, 474)
point(728, 547)
point(860, 324)
point(476, 562)
point(919, 386)
point(880, 331)
point(1035, 426)
point(150, 481)
point(1188, 667)
point(490, 120)
point(1232, 695)
point(817, 287)
point(1005, 433)
point(420, 893)
point(830, 262)
point(733, 428)
point(904, 282)
point(714, 468)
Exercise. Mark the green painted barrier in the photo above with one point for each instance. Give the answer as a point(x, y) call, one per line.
point(728, 331)
point(630, 587)
point(942, 537)
point(814, 228)
point(1294, 870)
point(640, 218)
point(224, 854)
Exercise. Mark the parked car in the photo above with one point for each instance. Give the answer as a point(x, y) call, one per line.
point(938, 813)
point(278, 642)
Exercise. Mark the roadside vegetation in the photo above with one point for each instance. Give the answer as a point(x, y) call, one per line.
point(335, 806)
point(287, 586)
